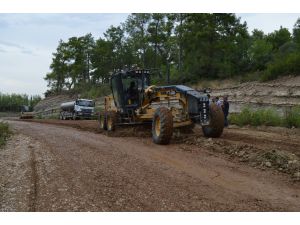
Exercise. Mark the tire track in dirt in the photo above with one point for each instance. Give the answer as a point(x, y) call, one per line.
point(84, 171)
point(33, 181)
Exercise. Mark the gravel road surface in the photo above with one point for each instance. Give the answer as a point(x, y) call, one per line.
point(47, 167)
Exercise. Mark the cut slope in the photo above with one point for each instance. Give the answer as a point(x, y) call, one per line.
point(281, 94)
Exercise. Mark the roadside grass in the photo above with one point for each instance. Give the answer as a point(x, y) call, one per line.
point(5, 132)
point(293, 117)
point(267, 117)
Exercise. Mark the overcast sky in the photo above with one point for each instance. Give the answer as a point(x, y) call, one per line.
point(27, 42)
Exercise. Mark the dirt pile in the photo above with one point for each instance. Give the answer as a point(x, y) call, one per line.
point(254, 155)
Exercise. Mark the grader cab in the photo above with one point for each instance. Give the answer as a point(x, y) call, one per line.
point(135, 101)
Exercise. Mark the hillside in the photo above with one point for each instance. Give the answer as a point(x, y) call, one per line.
point(281, 94)
point(50, 105)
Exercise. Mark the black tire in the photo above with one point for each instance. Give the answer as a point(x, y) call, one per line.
point(216, 122)
point(162, 126)
point(74, 117)
point(102, 121)
point(111, 120)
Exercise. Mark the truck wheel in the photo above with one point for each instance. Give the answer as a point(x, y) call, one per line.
point(216, 122)
point(162, 126)
point(102, 121)
point(74, 117)
point(111, 120)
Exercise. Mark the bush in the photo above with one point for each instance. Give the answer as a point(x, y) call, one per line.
point(268, 117)
point(293, 117)
point(91, 91)
point(4, 133)
point(289, 64)
point(242, 118)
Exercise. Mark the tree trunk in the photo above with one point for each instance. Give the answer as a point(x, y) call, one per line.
point(168, 72)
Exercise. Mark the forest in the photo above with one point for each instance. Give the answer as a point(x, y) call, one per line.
point(181, 48)
point(13, 102)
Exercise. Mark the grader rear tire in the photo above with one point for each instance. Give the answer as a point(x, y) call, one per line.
point(102, 121)
point(162, 126)
point(216, 124)
point(111, 120)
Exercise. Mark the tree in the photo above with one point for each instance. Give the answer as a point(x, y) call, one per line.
point(102, 61)
point(296, 32)
point(155, 30)
point(136, 26)
point(279, 37)
point(212, 44)
point(186, 47)
point(13, 102)
point(179, 32)
point(115, 36)
point(260, 53)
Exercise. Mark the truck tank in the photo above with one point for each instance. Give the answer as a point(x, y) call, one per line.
point(67, 106)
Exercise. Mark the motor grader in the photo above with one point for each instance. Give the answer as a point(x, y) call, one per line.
point(135, 101)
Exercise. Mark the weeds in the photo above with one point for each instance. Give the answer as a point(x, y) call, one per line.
point(293, 117)
point(4, 133)
point(267, 117)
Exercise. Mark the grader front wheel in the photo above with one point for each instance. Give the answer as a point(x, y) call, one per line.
point(216, 125)
point(102, 121)
point(111, 121)
point(162, 126)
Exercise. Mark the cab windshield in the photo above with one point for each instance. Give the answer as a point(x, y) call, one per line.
point(85, 103)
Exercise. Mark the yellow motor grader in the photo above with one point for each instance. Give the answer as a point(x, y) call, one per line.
point(135, 101)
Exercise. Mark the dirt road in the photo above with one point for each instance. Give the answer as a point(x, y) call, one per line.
point(46, 167)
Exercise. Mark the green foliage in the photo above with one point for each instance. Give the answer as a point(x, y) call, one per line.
point(260, 54)
point(184, 47)
point(296, 32)
point(13, 102)
point(293, 117)
point(267, 117)
point(287, 65)
point(279, 37)
point(241, 119)
point(5, 132)
point(96, 91)
point(214, 44)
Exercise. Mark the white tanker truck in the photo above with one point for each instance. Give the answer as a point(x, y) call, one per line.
point(81, 108)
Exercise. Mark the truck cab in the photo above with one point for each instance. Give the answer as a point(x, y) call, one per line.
point(80, 108)
point(84, 108)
